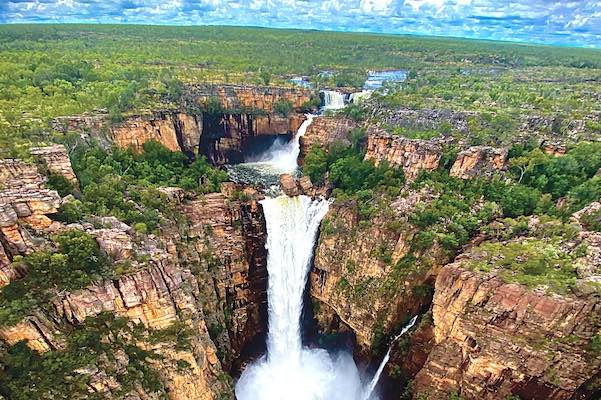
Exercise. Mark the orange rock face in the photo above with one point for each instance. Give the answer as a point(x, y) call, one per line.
point(236, 97)
point(134, 132)
point(56, 160)
point(228, 237)
point(351, 271)
point(479, 161)
point(324, 131)
point(413, 155)
point(24, 203)
point(495, 339)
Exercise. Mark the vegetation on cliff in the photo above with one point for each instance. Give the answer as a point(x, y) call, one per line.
point(75, 263)
point(125, 184)
point(105, 352)
point(56, 70)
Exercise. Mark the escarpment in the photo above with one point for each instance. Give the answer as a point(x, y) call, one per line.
point(413, 155)
point(325, 131)
point(361, 271)
point(227, 237)
point(193, 294)
point(218, 122)
point(495, 339)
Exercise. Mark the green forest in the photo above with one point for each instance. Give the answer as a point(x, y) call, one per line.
point(48, 71)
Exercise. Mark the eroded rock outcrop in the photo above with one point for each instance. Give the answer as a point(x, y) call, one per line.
point(150, 288)
point(479, 161)
point(239, 97)
point(324, 131)
point(221, 135)
point(413, 155)
point(227, 237)
point(25, 203)
point(56, 159)
point(356, 276)
point(495, 339)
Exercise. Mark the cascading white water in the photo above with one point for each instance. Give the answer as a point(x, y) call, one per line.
point(332, 100)
point(290, 371)
point(282, 157)
point(372, 385)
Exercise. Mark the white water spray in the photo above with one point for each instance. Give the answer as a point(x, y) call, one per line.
point(290, 371)
point(282, 158)
point(332, 100)
point(376, 378)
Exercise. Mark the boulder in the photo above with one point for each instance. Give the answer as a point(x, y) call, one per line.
point(306, 185)
point(289, 185)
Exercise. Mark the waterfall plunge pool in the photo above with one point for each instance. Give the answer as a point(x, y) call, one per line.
point(290, 370)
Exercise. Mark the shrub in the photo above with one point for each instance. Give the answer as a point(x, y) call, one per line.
point(59, 183)
point(283, 107)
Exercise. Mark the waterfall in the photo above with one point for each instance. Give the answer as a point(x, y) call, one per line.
point(292, 224)
point(282, 157)
point(332, 100)
point(290, 371)
point(376, 378)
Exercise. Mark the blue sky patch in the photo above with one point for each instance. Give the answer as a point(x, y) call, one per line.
point(576, 22)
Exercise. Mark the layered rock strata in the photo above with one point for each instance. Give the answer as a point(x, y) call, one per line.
point(228, 237)
point(354, 273)
point(239, 97)
point(479, 161)
point(413, 155)
point(25, 204)
point(324, 131)
point(56, 159)
point(495, 339)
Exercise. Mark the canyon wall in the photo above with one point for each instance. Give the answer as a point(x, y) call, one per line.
point(203, 278)
point(228, 238)
point(413, 155)
point(359, 273)
point(240, 97)
point(495, 339)
point(324, 131)
point(221, 135)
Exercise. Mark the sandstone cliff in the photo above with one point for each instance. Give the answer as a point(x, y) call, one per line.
point(221, 135)
point(324, 131)
point(479, 161)
point(226, 239)
point(25, 204)
point(151, 285)
point(413, 155)
point(238, 97)
point(359, 271)
point(495, 339)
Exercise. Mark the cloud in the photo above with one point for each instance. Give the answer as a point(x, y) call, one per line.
point(576, 22)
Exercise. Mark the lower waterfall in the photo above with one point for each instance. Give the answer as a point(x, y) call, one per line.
point(290, 371)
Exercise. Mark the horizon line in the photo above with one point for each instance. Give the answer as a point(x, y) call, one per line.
point(517, 42)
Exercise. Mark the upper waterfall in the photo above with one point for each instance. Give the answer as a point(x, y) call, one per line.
point(282, 157)
point(332, 100)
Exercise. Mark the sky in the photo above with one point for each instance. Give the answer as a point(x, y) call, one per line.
point(576, 23)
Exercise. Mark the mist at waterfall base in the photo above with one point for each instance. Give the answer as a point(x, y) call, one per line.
point(281, 157)
point(289, 370)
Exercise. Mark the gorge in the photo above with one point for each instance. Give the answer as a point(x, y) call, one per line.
point(241, 291)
